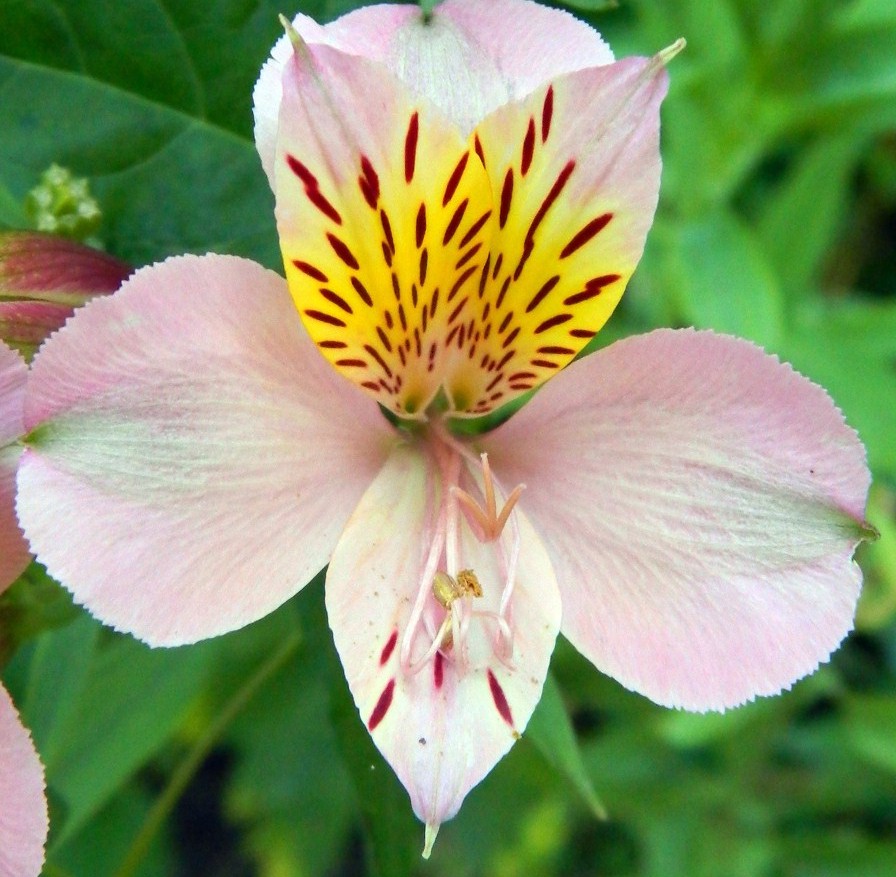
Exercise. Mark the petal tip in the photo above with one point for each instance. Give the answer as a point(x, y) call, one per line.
point(429, 838)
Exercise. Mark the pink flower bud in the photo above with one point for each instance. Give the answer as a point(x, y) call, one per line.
point(43, 278)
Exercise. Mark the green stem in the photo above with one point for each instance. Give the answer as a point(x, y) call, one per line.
point(186, 770)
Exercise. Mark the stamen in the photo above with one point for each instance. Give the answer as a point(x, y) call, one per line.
point(489, 522)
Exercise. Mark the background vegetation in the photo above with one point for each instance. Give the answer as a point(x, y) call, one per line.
point(777, 222)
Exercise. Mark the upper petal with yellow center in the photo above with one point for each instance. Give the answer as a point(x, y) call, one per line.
point(423, 261)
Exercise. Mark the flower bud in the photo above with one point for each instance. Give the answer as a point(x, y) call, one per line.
point(43, 278)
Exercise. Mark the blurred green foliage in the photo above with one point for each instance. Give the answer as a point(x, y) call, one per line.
point(777, 222)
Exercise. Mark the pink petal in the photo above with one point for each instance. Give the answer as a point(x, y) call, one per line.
point(23, 808)
point(471, 58)
point(194, 459)
point(701, 503)
point(441, 731)
point(14, 556)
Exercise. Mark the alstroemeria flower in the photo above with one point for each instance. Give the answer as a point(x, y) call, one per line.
point(460, 204)
point(23, 808)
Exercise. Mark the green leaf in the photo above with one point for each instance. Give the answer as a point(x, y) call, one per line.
point(723, 280)
point(849, 349)
point(130, 702)
point(800, 220)
point(551, 730)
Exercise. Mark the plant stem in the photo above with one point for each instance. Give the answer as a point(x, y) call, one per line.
point(186, 770)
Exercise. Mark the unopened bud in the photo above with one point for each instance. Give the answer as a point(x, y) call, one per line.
point(43, 278)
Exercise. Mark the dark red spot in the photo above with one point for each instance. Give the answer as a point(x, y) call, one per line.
point(460, 282)
point(499, 698)
point(372, 385)
point(410, 147)
point(434, 303)
point(384, 338)
point(325, 318)
point(551, 197)
point(505, 359)
point(451, 336)
point(333, 345)
point(585, 234)
point(506, 197)
point(414, 295)
point(421, 225)
point(341, 250)
point(382, 363)
point(505, 322)
point(387, 229)
point(396, 287)
point(402, 319)
point(521, 376)
point(438, 670)
point(388, 648)
point(556, 320)
point(547, 113)
point(370, 182)
point(483, 276)
point(528, 247)
point(424, 262)
point(544, 363)
point(521, 386)
point(468, 255)
point(389, 321)
point(478, 147)
point(498, 263)
point(510, 338)
point(362, 292)
point(352, 363)
point(494, 382)
point(454, 179)
point(387, 255)
point(302, 172)
point(559, 351)
point(504, 287)
point(582, 333)
point(593, 288)
point(311, 271)
point(456, 312)
point(528, 148)
point(455, 220)
point(474, 228)
point(312, 189)
point(385, 701)
point(337, 300)
point(539, 296)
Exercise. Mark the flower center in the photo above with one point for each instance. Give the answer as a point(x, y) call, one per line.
point(462, 615)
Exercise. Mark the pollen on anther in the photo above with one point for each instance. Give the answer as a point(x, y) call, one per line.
point(438, 670)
